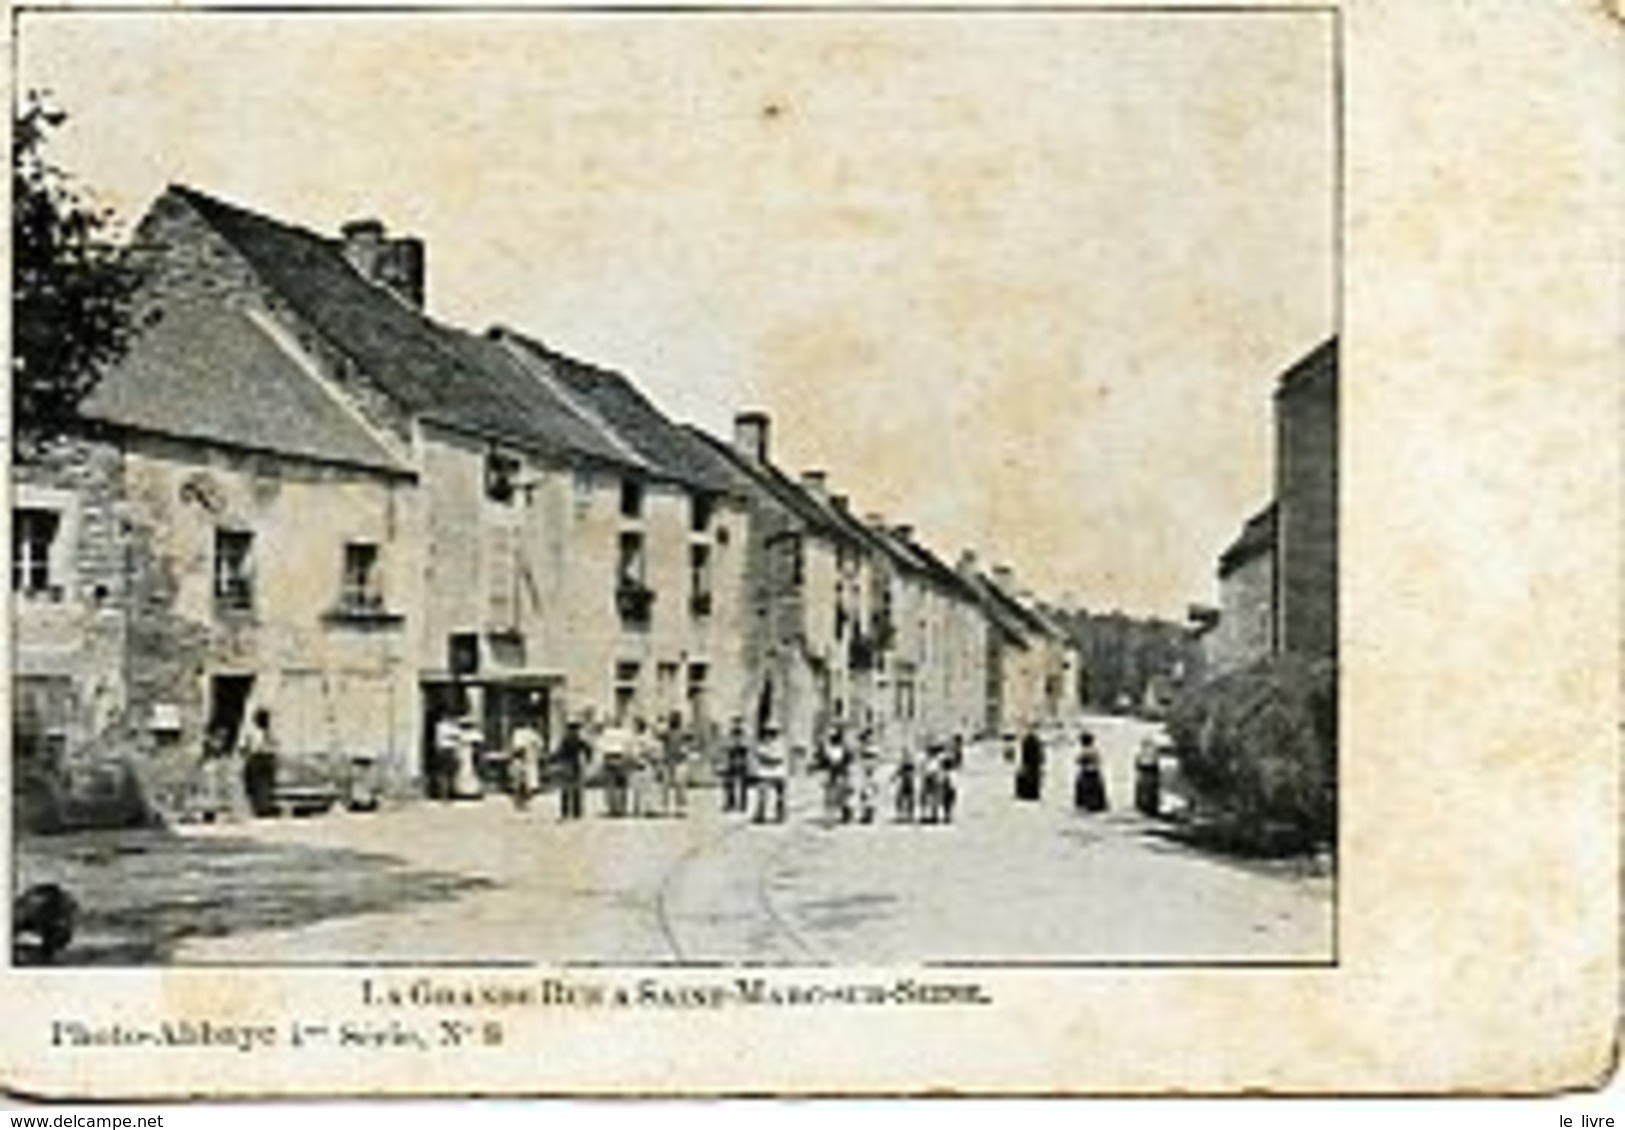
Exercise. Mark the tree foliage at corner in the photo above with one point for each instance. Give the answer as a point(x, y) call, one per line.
point(1258, 751)
point(71, 285)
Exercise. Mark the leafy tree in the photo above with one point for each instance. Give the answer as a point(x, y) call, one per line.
point(72, 285)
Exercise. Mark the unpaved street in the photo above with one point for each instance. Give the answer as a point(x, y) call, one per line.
point(1007, 882)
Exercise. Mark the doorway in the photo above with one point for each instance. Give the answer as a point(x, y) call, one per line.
point(228, 704)
point(441, 699)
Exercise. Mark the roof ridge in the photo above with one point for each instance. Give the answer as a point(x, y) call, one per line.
point(587, 413)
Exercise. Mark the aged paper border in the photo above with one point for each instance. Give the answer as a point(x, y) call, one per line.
point(1479, 887)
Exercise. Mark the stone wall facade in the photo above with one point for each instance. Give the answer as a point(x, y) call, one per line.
point(1306, 491)
point(333, 673)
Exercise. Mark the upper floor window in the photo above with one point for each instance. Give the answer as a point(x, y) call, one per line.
point(793, 568)
point(234, 569)
point(633, 598)
point(630, 567)
point(631, 498)
point(701, 508)
point(501, 477)
point(699, 583)
point(33, 536)
point(363, 577)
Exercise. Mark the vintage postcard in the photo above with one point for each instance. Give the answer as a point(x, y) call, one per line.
point(876, 550)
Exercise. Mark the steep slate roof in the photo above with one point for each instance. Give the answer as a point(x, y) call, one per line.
point(856, 529)
point(903, 553)
point(207, 372)
point(440, 374)
point(840, 524)
point(767, 479)
point(668, 449)
point(1030, 622)
point(1002, 611)
point(946, 575)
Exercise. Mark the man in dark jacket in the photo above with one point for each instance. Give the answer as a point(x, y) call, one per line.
point(571, 757)
point(735, 769)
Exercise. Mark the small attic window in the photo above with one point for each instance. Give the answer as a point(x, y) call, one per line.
point(501, 477)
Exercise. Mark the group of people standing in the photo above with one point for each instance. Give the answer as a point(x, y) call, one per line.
point(643, 773)
point(925, 790)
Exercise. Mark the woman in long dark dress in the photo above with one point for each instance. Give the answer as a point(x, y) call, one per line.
point(1030, 771)
point(1089, 787)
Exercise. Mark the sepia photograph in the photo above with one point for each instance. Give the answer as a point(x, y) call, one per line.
point(712, 488)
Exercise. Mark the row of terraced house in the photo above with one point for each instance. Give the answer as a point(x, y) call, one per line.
point(299, 492)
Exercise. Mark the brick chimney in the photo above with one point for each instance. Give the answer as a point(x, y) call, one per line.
point(751, 433)
point(904, 532)
point(1005, 578)
point(396, 264)
point(816, 483)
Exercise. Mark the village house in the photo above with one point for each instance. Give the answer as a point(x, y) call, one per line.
point(1041, 679)
point(1006, 667)
point(228, 538)
point(1278, 579)
point(936, 666)
point(665, 640)
point(1245, 630)
point(806, 595)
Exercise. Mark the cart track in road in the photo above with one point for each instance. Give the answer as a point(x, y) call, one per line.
point(718, 851)
point(764, 898)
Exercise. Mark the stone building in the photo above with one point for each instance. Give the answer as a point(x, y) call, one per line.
point(1032, 670)
point(1042, 681)
point(69, 595)
point(245, 526)
point(1278, 579)
point(1306, 461)
point(1246, 628)
point(934, 673)
point(809, 612)
point(646, 567)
